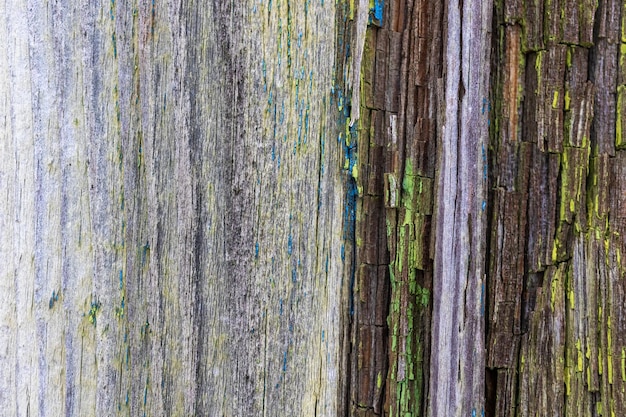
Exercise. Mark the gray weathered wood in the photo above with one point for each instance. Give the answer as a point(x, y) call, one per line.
point(172, 211)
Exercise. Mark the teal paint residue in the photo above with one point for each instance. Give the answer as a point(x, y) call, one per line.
point(53, 299)
point(377, 11)
point(144, 255)
point(93, 312)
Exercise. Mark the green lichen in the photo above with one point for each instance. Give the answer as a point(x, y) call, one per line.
point(555, 100)
point(93, 312)
point(620, 141)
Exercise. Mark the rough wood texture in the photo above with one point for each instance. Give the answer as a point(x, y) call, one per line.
point(556, 273)
point(313, 208)
point(457, 359)
point(173, 201)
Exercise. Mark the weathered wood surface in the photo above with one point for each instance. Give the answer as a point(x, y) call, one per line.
point(556, 274)
point(424, 118)
point(313, 207)
point(172, 209)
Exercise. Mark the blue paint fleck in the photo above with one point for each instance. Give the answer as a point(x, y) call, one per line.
point(377, 10)
point(473, 412)
point(256, 250)
point(285, 362)
point(53, 299)
point(121, 279)
point(294, 275)
point(484, 205)
point(485, 165)
point(280, 312)
point(322, 335)
point(482, 299)
point(290, 244)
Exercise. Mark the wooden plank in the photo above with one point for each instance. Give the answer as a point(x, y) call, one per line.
point(179, 195)
point(380, 77)
point(533, 19)
point(542, 194)
point(506, 280)
point(457, 361)
point(604, 73)
point(542, 351)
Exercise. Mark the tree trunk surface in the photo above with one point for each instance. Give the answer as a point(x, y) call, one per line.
point(313, 208)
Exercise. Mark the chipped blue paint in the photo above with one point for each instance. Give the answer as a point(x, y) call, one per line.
point(322, 335)
point(121, 279)
point(378, 10)
point(53, 299)
point(114, 45)
point(264, 72)
point(285, 362)
point(485, 167)
point(482, 299)
point(290, 244)
point(294, 275)
point(280, 311)
point(256, 250)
